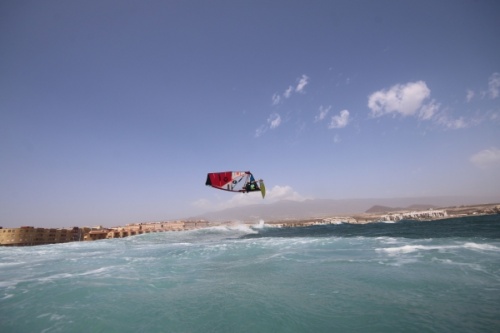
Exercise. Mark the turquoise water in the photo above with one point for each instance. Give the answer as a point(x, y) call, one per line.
point(439, 276)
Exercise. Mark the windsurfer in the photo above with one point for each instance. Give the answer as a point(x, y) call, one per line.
point(252, 186)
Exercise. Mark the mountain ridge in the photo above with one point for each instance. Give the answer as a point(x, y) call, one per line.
point(289, 209)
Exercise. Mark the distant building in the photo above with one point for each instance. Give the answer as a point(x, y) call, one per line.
point(95, 234)
point(419, 215)
point(26, 236)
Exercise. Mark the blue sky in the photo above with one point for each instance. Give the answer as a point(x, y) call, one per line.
point(113, 112)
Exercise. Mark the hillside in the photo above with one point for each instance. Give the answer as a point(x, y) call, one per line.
point(286, 209)
point(384, 209)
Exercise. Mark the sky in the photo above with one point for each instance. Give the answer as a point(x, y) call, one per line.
point(113, 112)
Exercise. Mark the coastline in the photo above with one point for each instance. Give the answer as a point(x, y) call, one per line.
point(393, 216)
point(29, 236)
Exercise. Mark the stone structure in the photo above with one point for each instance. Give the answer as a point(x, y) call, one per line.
point(25, 236)
point(143, 228)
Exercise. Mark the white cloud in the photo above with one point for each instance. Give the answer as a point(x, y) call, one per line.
point(274, 194)
point(202, 204)
point(322, 113)
point(494, 85)
point(470, 95)
point(340, 121)
point(486, 158)
point(413, 99)
point(451, 123)
point(457, 123)
point(261, 130)
point(278, 193)
point(274, 120)
point(276, 99)
point(428, 110)
point(405, 99)
point(303, 81)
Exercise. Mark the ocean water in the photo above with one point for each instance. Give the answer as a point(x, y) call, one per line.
point(438, 276)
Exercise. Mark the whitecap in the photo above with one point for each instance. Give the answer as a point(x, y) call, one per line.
point(259, 225)
point(417, 247)
point(7, 296)
point(97, 272)
point(482, 247)
point(412, 248)
point(8, 264)
point(56, 277)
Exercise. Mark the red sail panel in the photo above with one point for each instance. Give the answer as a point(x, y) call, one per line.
point(219, 179)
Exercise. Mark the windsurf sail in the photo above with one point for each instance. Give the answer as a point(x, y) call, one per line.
point(235, 181)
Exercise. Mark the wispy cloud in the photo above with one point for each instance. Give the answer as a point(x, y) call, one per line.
point(451, 123)
point(339, 121)
point(492, 92)
point(302, 82)
point(276, 99)
point(494, 85)
point(323, 112)
point(261, 130)
point(486, 158)
point(272, 122)
point(470, 95)
point(427, 111)
point(202, 204)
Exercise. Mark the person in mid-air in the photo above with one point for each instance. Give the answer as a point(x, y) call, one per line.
point(252, 186)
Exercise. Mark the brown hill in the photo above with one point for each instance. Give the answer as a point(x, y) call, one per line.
point(377, 209)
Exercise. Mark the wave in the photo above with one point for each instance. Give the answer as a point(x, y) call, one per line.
point(484, 227)
point(481, 247)
point(415, 248)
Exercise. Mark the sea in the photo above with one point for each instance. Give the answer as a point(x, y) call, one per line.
point(409, 276)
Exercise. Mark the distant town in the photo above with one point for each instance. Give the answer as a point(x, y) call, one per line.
point(29, 235)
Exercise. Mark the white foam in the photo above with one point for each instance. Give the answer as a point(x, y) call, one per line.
point(7, 296)
point(56, 277)
point(7, 264)
point(260, 225)
point(239, 228)
point(481, 247)
point(404, 249)
point(414, 248)
point(388, 240)
point(9, 284)
point(96, 271)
